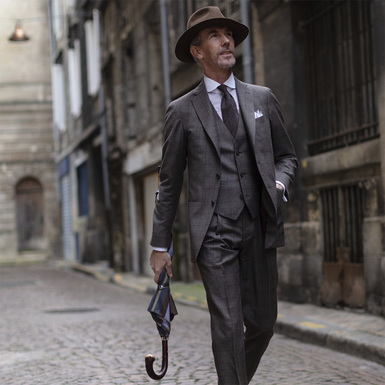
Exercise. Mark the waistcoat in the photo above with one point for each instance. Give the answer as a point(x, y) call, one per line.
point(240, 181)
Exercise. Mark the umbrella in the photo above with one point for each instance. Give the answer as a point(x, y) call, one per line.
point(162, 309)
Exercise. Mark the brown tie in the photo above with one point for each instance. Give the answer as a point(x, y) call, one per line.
point(230, 114)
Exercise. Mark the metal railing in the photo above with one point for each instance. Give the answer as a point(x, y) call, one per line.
point(341, 75)
point(342, 209)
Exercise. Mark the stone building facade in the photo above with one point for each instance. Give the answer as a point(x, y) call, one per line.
point(28, 201)
point(325, 62)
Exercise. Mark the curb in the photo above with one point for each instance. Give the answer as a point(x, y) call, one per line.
point(352, 342)
point(105, 275)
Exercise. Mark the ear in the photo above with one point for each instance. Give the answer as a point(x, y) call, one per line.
point(195, 52)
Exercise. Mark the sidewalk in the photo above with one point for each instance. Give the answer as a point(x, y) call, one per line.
point(346, 331)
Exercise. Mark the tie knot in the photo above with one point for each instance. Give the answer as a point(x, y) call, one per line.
point(223, 89)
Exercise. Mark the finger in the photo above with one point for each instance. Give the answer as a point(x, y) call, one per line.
point(169, 271)
point(168, 265)
point(157, 273)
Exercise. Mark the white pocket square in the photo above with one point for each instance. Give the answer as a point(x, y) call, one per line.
point(258, 114)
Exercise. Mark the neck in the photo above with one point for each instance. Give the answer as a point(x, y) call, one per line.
point(219, 76)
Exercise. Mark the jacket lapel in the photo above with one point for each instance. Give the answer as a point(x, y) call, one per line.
point(205, 112)
point(246, 105)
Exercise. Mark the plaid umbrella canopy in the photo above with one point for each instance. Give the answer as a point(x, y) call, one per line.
point(162, 309)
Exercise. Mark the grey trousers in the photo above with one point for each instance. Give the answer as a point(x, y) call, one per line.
point(240, 278)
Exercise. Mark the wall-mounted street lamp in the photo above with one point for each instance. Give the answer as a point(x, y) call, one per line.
point(18, 34)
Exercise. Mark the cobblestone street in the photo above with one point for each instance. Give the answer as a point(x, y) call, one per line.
point(62, 327)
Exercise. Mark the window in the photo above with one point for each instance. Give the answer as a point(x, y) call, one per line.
point(57, 18)
point(342, 224)
point(59, 97)
point(92, 31)
point(75, 83)
point(342, 92)
point(81, 173)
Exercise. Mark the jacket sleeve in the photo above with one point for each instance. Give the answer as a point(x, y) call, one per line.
point(285, 159)
point(173, 164)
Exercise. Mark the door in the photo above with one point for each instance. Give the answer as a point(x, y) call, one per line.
point(29, 215)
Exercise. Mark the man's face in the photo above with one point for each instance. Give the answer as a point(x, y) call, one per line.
point(216, 48)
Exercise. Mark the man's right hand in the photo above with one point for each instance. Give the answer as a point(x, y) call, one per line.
point(158, 261)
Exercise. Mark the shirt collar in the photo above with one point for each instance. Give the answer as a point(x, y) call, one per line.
point(212, 85)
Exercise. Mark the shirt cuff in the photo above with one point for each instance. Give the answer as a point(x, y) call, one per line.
point(163, 249)
point(284, 190)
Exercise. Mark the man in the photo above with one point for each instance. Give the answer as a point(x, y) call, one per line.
point(240, 164)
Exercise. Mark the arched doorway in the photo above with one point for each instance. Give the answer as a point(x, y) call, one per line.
point(29, 215)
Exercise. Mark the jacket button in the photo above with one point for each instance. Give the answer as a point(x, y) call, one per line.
point(218, 175)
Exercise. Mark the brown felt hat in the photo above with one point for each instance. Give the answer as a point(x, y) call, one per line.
point(203, 18)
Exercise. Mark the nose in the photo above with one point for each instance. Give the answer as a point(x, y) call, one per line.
point(225, 39)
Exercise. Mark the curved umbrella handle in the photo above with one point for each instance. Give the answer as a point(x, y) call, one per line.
point(150, 362)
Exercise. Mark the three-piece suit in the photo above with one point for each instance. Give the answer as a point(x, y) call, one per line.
point(235, 222)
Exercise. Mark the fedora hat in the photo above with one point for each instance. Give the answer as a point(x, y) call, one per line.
point(203, 18)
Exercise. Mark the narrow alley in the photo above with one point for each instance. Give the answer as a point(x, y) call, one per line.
point(58, 326)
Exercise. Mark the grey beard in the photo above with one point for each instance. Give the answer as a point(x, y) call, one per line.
point(229, 64)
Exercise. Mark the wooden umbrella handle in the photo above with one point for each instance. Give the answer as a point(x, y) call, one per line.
point(150, 362)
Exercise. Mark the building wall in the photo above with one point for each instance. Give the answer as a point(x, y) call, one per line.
point(26, 136)
point(304, 273)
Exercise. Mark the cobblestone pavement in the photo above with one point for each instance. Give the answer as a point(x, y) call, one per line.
point(62, 327)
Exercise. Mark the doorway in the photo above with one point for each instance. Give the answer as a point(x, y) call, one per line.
point(29, 215)
point(343, 280)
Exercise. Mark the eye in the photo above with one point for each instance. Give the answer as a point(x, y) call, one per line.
point(213, 34)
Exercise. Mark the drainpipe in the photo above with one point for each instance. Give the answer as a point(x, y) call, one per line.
point(165, 52)
point(247, 54)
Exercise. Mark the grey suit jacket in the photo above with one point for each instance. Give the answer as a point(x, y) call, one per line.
point(191, 140)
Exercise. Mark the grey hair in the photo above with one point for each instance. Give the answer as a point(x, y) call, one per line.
point(197, 42)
